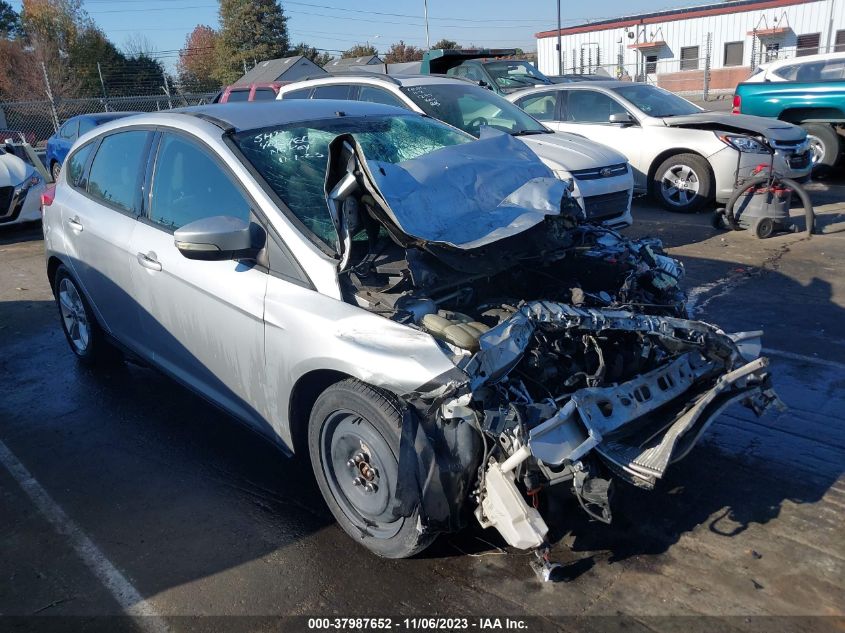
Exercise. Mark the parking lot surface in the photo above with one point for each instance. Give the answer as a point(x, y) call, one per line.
point(122, 491)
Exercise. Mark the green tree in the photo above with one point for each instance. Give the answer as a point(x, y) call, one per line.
point(250, 31)
point(401, 52)
point(360, 50)
point(10, 21)
point(447, 44)
point(91, 47)
point(309, 52)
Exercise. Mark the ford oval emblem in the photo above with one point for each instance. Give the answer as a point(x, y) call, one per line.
point(605, 172)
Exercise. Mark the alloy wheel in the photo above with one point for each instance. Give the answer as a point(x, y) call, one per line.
point(74, 318)
point(680, 185)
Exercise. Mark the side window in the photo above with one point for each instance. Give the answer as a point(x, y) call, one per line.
point(541, 106)
point(76, 164)
point(86, 125)
point(69, 130)
point(189, 185)
point(302, 93)
point(264, 94)
point(377, 95)
point(590, 106)
point(238, 95)
point(115, 172)
point(337, 91)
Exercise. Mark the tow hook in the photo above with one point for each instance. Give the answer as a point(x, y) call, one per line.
point(542, 565)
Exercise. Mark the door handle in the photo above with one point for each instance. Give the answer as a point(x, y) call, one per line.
point(149, 261)
point(75, 224)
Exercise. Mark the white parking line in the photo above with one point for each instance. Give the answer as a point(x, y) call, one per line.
point(126, 595)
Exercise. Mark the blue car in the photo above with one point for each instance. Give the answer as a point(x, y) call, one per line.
point(60, 143)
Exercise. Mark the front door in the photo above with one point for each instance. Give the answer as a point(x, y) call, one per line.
point(587, 112)
point(204, 320)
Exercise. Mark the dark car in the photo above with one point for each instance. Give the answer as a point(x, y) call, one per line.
point(495, 69)
point(60, 143)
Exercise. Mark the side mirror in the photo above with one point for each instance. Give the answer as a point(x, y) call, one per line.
point(220, 238)
point(623, 118)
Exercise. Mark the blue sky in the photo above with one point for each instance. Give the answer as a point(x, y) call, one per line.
point(338, 24)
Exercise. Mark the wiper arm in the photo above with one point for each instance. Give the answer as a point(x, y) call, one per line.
point(531, 132)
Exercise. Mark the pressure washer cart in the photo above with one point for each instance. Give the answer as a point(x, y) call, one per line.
point(761, 200)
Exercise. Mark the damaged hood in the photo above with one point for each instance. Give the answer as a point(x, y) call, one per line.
point(470, 195)
point(770, 128)
point(572, 152)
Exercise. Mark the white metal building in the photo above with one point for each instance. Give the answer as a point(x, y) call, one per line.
point(731, 38)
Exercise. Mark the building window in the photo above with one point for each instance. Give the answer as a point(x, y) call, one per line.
point(808, 44)
point(839, 45)
point(689, 58)
point(733, 53)
point(771, 50)
point(651, 64)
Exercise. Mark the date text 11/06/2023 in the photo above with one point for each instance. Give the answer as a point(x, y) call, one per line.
point(479, 623)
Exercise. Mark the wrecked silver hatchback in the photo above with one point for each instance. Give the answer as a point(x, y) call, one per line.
point(567, 358)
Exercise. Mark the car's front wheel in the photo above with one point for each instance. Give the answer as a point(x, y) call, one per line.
point(683, 183)
point(84, 335)
point(353, 442)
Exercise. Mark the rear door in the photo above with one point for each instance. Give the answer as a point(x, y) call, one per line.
point(99, 216)
point(203, 320)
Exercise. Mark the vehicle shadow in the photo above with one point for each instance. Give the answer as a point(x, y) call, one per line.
point(19, 233)
point(174, 491)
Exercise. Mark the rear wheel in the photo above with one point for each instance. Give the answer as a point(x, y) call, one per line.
point(825, 145)
point(353, 441)
point(55, 170)
point(86, 338)
point(682, 183)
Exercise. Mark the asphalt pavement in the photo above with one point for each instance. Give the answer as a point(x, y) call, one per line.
point(121, 492)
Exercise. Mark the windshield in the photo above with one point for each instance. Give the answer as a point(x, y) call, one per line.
point(469, 107)
point(292, 158)
point(514, 74)
point(656, 102)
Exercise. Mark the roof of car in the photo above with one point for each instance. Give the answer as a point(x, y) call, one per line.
point(396, 80)
point(102, 117)
point(258, 114)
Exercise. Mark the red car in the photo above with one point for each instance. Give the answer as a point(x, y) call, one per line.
point(250, 92)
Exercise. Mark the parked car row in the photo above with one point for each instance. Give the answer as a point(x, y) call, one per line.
point(424, 314)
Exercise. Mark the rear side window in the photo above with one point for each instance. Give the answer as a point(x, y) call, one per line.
point(332, 92)
point(69, 130)
point(377, 95)
point(115, 172)
point(541, 106)
point(76, 164)
point(190, 185)
point(238, 95)
point(264, 94)
point(302, 93)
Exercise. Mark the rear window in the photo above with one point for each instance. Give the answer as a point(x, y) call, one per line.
point(238, 95)
point(332, 92)
point(264, 94)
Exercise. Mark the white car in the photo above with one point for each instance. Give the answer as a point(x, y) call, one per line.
point(823, 67)
point(20, 190)
point(598, 176)
point(686, 157)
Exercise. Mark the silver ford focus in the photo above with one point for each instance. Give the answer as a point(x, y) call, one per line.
point(423, 315)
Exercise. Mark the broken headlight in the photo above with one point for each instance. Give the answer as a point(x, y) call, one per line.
point(744, 143)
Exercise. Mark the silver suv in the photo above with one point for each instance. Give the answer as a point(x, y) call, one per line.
point(420, 313)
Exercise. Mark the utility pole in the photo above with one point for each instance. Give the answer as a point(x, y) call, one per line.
point(559, 48)
point(427, 37)
point(50, 97)
point(167, 92)
point(103, 86)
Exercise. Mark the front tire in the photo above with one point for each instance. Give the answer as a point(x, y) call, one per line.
point(86, 338)
point(353, 441)
point(825, 145)
point(683, 183)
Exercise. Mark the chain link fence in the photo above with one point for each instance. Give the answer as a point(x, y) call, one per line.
point(39, 120)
